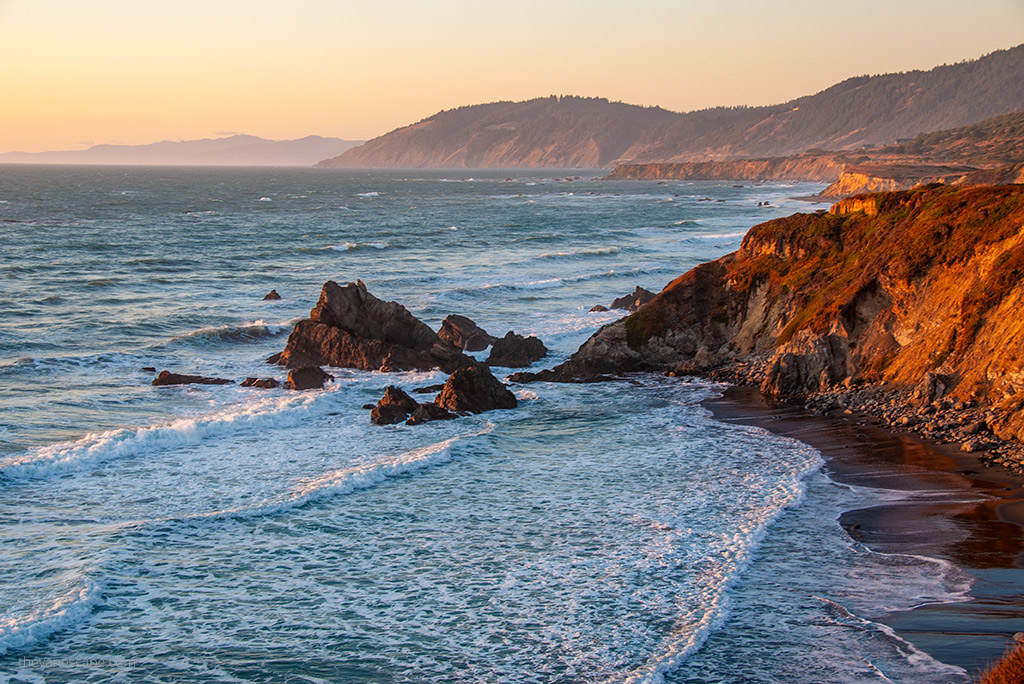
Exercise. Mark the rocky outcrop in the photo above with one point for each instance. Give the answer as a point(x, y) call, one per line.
point(879, 177)
point(262, 383)
point(463, 333)
point(516, 351)
point(915, 289)
point(309, 377)
point(271, 296)
point(394, 407)
point(474, 390)
point(350, 328)
point(633, 300)
point(169, 378)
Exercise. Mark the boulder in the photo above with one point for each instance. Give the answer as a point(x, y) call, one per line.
point(428, 389)
point(169, 378)
point(634, 300)
point(598, 308)
point(309, 377)
point(272, 295)
point(262, 383)
point(474, 390)
point(463, 333)
point(516, 351)
point(350, 328)
point(425, 413)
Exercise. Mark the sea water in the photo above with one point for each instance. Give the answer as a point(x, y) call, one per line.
point(598, 533)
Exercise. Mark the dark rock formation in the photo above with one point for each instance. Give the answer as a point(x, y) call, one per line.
point(351, 328)
point(425, 413)
point(474, 390)
point(516, 351)
point(263, 383)
point(394, 407)
point(634, 300)
point(272, 295)
point(308, 377)
point(148, 369)
point(464, 333)
point(169, 378)
point(428, 389)
point(598, 307)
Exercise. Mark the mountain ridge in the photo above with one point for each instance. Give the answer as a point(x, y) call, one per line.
point(233, 150)
point(576, 132)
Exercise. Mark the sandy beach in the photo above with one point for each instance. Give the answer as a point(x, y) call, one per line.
point(957, 510)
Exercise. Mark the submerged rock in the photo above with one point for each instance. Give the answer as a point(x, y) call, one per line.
point(425, 413)
point(272, 295)
point(598, 308)
point(463, 333)
point(169, 378)
point(475, 390)
point(350, 328)
point(262, 383)
point(309, 377)
point(516, 351)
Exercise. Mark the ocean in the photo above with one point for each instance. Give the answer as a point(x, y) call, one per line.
point(610, 532)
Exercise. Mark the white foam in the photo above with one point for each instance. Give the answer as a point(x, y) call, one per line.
point(96, 448)
point(347, 246)
point(244, 331)
point(65, 611)
point(340, 482)
point(265, 199)
point(369, 194)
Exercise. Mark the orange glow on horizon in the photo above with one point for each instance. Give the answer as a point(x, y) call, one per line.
point(118, 71)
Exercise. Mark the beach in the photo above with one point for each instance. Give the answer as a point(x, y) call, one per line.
point(952, 507)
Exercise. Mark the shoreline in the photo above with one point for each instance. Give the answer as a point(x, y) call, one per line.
point(965, 512)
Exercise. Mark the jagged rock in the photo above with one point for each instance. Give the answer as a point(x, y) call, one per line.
point(516, 351)
point(809, 363)
point(463, 333)
point(475, 390)
point(394, 407)
point(933, 387)
point(262, 383)
point(425, 413)
point(272, 295)
point(309, 377)
point(428, 389)
point(634, 300)
point(350, 328)
point(169, 378)
point(598, 308)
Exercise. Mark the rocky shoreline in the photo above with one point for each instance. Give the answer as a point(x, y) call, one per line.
point(921, 411)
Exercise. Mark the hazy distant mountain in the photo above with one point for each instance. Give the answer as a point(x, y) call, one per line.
point(585, 132)
point(236, 150)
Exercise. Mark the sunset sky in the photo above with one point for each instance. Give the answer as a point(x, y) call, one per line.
point(136, 71)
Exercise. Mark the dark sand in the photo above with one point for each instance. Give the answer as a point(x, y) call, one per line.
point(963, 512)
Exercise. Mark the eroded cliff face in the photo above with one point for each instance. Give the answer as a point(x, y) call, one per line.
point(825, 168)
point(898, 288)
point(885, 177)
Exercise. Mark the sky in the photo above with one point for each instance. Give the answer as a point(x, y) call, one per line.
point(77, 73)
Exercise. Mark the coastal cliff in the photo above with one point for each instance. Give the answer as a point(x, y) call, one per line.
point(919, 289)
point(819, 168)
point(864, 178)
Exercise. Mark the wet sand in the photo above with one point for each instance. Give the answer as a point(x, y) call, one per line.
point(959, 511)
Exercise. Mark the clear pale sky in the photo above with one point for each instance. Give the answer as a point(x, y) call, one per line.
point(79, 72)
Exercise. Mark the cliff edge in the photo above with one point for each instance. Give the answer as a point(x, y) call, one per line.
point(914, 289)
